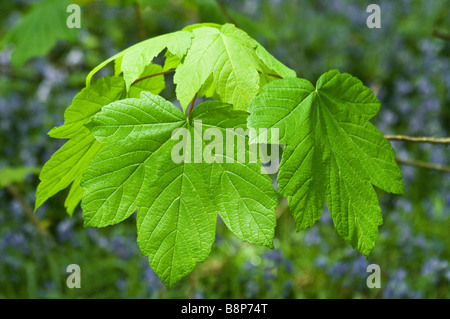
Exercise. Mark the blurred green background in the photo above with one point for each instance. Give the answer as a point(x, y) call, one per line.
point(43, 64)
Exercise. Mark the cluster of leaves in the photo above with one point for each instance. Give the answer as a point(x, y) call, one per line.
point(118, 155)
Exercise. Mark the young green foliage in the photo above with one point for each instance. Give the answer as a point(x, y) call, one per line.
point(231, 57)
point(66, 166)
point(177, 203)
point(123, 139)
point(133, 61)
point(210, 60)
point(333, 153)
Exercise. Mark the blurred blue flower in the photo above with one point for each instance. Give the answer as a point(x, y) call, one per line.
point(321, 261)
point(121, 285)
point(122, 246)
point(403, 86)
point(275, 255)
point(251, 289)
point(312, 237)
point(435, 268)
point(65, 231)
point(199, 295)
point(338, 269)
point(152, 282)
point(397, 287)
point(15, 241)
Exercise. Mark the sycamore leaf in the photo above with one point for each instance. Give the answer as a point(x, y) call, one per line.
point(333, 153)
point(171, 62)
point(211, 60)
point(133, 60)
point(118, 66)
point(74, 196)
point(226, 61)
point(177, 201)
point(88, 102)
point(272, 64)
point(228, 54)
point(39, 30)
point(68, 163)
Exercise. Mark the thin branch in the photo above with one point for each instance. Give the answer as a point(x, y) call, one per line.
point(275, 75)
point(426, 165)
point(192, 105)
point(27, 209)
point(152, 75)
point(434, 140)
point(271, 74)
point(441, 35)
point(140, 22)
point(226, 13)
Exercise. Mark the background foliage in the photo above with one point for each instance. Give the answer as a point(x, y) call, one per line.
point(406, 63)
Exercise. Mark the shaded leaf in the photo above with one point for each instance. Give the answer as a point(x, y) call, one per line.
point(332, 152)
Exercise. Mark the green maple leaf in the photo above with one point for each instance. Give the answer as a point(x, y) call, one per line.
point(35, 35)
point(86, 103)
point(177, 202)
point(333, 153)
point(232, 58)
point(134, 60)
point(211, 60)
point(66, 166)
